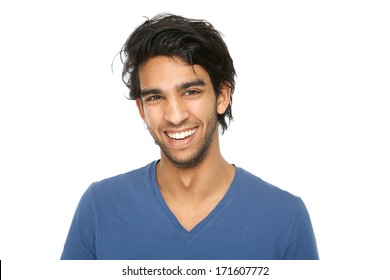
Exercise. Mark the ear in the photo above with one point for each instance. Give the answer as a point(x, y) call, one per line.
point(223, 99)
point(140, 107)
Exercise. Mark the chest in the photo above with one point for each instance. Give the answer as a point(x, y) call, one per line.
point(189, 215)
point(164, 239)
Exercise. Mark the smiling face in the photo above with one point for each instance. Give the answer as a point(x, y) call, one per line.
point(179, 106)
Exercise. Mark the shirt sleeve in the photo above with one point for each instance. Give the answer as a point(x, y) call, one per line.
point(302, 243)
point(80, 242)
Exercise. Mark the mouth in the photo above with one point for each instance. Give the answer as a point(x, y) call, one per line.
point(182, 134)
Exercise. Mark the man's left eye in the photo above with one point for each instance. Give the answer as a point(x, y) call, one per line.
point(191, 92)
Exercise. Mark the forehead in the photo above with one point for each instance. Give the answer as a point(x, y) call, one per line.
point(164, 71)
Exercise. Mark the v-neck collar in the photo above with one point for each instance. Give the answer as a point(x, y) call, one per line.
point(203, 223)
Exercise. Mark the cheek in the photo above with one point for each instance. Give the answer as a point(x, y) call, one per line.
point(204, 109)
point(152, 117)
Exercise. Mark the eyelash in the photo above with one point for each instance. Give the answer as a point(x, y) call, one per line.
point(158, 97)
point(191, 92)
point(153, 98)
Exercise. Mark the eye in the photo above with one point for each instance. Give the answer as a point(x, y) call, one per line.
point(191, 92)
point(154, 98)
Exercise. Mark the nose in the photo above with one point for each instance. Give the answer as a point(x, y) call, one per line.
point(175, 111)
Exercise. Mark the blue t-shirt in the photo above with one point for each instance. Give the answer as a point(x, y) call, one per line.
point(125, 217)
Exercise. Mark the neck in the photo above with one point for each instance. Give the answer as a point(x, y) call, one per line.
point(214, 174)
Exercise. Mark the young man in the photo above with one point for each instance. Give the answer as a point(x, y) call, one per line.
point(190, 204)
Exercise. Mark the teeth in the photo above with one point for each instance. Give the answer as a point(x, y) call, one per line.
point(181, 135)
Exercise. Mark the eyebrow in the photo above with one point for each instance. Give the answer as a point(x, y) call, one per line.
point(147, 92)
point(197, 82)
point(182, 86)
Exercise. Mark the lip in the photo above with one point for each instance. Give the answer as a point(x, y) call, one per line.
point(181, 142)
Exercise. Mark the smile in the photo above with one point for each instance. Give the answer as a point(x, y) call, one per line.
point(181, 135)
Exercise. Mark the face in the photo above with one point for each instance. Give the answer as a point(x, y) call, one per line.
point(179, 106)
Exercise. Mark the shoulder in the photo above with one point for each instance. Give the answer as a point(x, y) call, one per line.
point(129, 181)
point(258, 190)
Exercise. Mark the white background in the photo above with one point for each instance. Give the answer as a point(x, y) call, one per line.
point(311, 112)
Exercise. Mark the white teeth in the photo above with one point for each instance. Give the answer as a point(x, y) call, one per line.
point(181, 135)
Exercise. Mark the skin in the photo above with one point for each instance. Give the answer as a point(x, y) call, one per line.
point(178, 100)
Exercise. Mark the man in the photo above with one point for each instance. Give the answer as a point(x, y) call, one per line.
point(190, 204)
